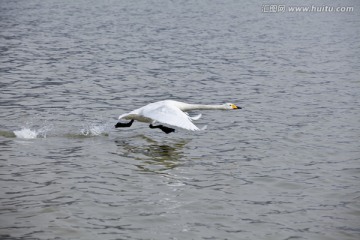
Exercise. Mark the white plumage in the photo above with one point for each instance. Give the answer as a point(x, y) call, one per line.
point(171, 113)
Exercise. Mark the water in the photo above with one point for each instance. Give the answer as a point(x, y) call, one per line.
point(286, 166)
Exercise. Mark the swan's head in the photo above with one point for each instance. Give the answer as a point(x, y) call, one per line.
point(231, 106)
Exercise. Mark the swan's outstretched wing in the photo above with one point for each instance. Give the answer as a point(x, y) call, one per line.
point(169, 114)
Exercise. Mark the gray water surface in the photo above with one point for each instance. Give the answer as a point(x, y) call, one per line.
point(286, 166)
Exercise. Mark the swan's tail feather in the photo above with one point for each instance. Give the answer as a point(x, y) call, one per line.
point(197, 117)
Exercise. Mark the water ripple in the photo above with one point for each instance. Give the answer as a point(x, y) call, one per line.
point(285, 166)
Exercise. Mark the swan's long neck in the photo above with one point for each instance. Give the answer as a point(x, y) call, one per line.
point(189, 107)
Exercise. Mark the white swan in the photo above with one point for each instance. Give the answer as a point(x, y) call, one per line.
point(171, 113)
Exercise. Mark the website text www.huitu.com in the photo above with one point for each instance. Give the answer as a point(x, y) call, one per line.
point(278, 8)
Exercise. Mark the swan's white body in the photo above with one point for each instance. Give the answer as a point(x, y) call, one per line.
point(172, 113)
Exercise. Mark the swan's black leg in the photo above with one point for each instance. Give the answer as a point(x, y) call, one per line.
point(166, 130)
point(119, 124)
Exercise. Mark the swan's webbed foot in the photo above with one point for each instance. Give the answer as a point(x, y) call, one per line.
point(119, 124)
point(166, 130)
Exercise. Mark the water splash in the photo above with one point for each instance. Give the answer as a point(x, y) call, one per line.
point(28, 133)
point(34, 128)
point(95, 130)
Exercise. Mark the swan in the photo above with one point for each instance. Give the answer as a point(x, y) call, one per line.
point(169, 112)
